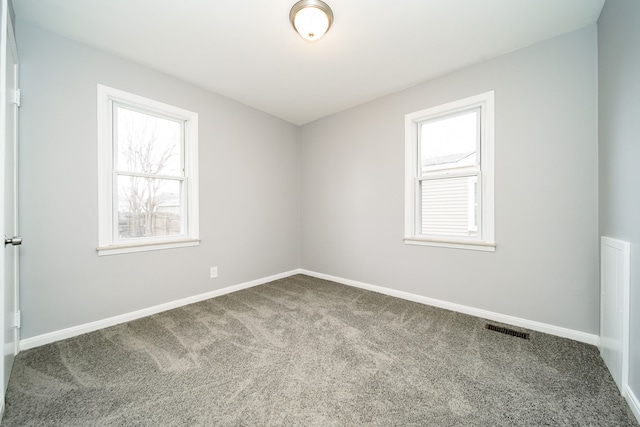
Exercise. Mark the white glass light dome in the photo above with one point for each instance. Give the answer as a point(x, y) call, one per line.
point(311, 18)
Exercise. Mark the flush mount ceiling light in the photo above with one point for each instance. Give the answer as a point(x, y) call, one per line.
point(311, 18)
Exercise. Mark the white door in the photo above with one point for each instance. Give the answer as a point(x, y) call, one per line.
point(9, 99)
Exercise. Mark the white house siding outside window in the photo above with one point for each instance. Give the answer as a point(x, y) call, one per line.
point(449, 179)
point(148, 195)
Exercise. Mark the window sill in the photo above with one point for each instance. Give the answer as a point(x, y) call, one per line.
point(147, 246)
point(453, 244)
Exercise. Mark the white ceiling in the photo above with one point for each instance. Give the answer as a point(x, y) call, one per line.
point(248, 51)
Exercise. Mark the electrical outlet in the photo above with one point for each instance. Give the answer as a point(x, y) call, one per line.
point(214, 272)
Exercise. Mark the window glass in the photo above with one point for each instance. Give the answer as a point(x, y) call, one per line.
point(449, 141)
point(147, 143)
point(448, 206)
point(148, 207)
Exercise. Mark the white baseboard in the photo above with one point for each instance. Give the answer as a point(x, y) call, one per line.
point(477, 312)
point(633, 401)
point(50, 337)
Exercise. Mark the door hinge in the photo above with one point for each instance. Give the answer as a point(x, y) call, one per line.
point(17, 320)
point(17, 97)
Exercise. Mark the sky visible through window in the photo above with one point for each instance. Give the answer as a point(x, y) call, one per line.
point(450, 140)
point(148, 144)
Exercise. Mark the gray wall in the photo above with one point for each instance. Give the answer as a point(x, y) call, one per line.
point(249, 191)
point(619, 135)
point(545, 267)
point(348, 221)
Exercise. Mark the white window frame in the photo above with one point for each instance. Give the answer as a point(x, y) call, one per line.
point(107, 242)
point(485, 239)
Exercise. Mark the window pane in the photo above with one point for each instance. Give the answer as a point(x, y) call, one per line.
point(148, 207)
point(450, 142)
point(449, 206)
point(147, 143)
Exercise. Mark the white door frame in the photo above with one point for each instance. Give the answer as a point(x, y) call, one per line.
point(8, 99)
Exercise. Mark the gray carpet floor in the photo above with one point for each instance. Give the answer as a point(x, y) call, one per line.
point(308, 352)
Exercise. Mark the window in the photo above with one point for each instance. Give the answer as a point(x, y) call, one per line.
point(148, 174)
point(449, 175)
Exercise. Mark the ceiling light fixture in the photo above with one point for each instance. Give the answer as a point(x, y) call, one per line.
point(311, 18)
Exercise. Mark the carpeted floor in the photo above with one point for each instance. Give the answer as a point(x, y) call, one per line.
point(308, 352)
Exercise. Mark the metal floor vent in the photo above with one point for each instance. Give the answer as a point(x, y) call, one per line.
point(507, 331)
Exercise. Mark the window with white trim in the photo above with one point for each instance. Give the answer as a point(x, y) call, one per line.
point(449, 175)
point(148, 174)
